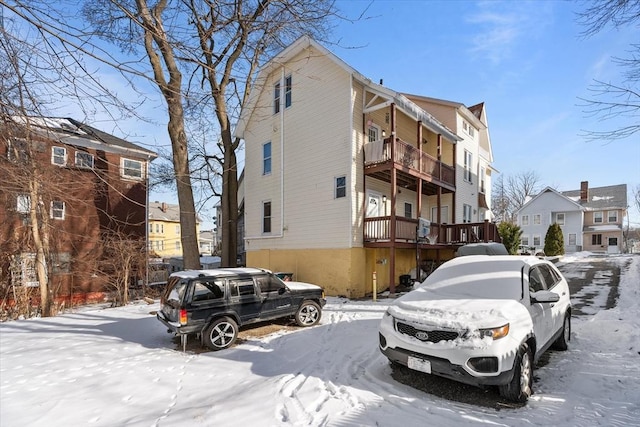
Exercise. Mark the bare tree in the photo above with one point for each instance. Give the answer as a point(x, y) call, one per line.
point(610, 99)
point(510, 196)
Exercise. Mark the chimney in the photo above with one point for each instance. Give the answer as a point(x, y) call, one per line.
point(584, 191)
point(163, 208)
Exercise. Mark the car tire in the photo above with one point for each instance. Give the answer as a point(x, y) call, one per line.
point(562, 343)
point(221, 334)
point(308, 313)
point(520, 388)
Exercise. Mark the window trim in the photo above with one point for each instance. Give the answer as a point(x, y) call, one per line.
point(468, 160)
point(524, 220)
point(267, 160)
point(53, 210)
point(609, 217)
point(78, 164)
point(466, 213)
point(340, 191)
point(277, 96)
point(538, 218)
point(288, 91)
point(54, 156)
point(408, 205)
point(124, 168)
point(23, 203)
point(558, 221)
point(600, 216)
point(267, 217)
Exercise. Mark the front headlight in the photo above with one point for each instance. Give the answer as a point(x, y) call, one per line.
point(495, 333)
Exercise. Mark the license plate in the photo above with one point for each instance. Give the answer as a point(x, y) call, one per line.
point(419, 364)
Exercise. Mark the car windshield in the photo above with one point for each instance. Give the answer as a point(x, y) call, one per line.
point(482, 278)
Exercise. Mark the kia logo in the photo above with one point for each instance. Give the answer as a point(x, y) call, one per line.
point(422, 336)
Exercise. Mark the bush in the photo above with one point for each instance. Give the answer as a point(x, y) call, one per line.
point(553, 241)
point(510, 235)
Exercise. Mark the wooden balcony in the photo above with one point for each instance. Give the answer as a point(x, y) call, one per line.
point(377, 233)
point(410, 163)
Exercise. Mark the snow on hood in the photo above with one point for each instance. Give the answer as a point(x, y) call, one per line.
point(426, 307)
point(302, 286)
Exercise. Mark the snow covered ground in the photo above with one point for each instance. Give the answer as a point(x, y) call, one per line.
point(117, 367)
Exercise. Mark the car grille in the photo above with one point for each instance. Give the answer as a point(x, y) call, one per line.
point(425, 335)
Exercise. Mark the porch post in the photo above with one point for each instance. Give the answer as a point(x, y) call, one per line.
point(394, 190)
point(439, 193)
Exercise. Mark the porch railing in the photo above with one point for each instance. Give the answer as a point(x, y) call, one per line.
point(378, 229)
point(407, 155)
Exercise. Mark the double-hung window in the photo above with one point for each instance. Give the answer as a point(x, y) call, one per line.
point(536, 219)
point(276, 98)
point(560, 218)
point(57, 209)
point(466, 214)
point(612, 216)
point(597, 217)
point(287, 91)
point(84, 160)
point(266, 217)
point(23, 203)
point(266, 158)
point(341, 187)
point(467, 165)
point(524, 220)
point(59, 156)
point(131, 168)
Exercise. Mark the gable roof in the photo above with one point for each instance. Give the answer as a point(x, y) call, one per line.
point(73, 132)
point(609, 197)
point(306, 42)
point(546, 191)
point(161, 211)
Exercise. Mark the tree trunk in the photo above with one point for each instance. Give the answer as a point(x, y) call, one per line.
point(229, 202)
point(39, 242)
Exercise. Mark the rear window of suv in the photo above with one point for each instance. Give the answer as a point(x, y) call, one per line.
point(208, 290)
point(241, 287)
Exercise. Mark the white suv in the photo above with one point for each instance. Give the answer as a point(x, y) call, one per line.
point(481, 320)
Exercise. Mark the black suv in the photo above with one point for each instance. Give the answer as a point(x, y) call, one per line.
point(213, 304)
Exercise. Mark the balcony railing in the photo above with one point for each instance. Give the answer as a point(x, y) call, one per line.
point(378, 229)
point(408, 156)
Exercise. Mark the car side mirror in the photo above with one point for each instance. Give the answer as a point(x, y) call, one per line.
point(545, 297)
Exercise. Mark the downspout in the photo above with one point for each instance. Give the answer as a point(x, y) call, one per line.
point(146, 223)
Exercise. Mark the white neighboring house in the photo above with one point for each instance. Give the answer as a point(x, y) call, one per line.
point(591, 218)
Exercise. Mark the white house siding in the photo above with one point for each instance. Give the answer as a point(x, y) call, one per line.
point(356, 174)
point(466, 192)
point(547, 205)
point(316, 137)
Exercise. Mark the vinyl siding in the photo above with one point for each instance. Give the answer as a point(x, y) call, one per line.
point(316, 139)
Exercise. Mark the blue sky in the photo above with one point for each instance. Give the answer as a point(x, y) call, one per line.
point(525, 60)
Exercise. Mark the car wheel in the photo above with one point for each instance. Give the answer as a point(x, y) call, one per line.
point(308, 314)
point(519, 389)
point(562, 343)
point(221, 334)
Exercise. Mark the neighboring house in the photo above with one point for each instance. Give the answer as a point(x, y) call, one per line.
point(340, 172)
point(207, 242)
point(89, 185)
point(591, 218)
point(164, 230)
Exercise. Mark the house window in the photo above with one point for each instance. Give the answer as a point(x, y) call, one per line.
point(57, 209)
point(408, 210)
point(536, 240)
point(131, 169)
point(287, 91)
point(524, 240)
point(444, 214)
point(23, 204)
point(467, 165)
point(266, 158)
point(560, 218)
point(374, 133)
point(471, 131)
point(150, 227)
point(341, 187)
point(572, 239)
point(59, 156)
point(157, 227)
point(162, 228)
point(466, 213)
point(612, 216)
point(17, 150)
point(613, 241)
point(536, 219)
point(597, 217)
point(596, 239)
point(524, 219)
point(483, 172)
point(177, 246)
point(178, 229)
point(465, 126)
point(276, 98)
point(266, 217)
point(84, 160)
